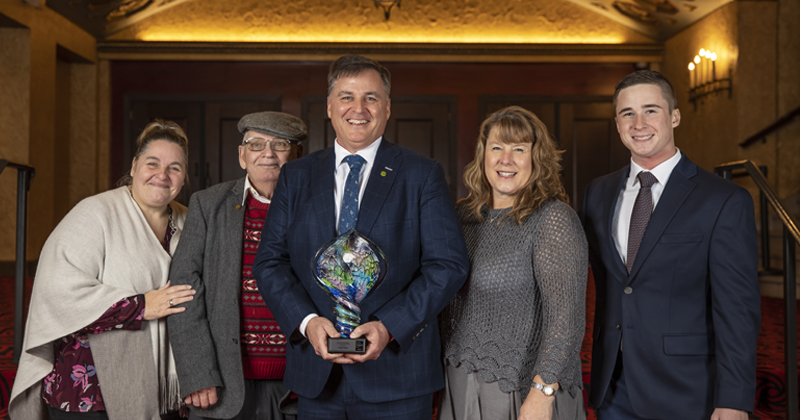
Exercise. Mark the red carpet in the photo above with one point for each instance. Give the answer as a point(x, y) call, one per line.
point(771, 398)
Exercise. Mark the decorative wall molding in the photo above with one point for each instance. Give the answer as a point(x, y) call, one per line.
point(425, 52)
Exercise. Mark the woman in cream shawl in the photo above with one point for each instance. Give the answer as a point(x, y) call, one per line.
point(111, 250)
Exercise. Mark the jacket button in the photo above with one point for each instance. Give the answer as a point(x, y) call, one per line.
point(628, 290)
point(618, 327)
point(235, 341)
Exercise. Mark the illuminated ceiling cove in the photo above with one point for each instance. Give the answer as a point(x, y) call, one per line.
point(444, 21)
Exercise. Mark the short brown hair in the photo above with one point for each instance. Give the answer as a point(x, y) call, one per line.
point(648, 77)
point(159, 130)
point(515, 124)
point(353, 65)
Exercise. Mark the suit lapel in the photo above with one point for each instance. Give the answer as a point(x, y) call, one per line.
point(677, 189)
point(609, 207)
point(388, 163)
point(322, 181)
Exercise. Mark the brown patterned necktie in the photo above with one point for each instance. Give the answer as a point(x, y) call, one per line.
point(640, 216)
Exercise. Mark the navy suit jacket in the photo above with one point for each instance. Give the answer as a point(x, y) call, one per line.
point(408, 212)
point(689, 312)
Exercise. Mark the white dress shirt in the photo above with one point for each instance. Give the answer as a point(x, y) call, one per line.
point(342, 169)
point(340, 173)
point(249, 189)
point(627, 196)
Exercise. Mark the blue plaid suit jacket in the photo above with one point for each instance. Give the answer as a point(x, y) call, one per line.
point(408, 212)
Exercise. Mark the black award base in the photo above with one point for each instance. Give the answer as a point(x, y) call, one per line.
point(347, 345)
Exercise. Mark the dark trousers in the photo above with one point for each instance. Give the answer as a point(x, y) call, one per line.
point(339, 402)
point(265, 399)
point(617, 404)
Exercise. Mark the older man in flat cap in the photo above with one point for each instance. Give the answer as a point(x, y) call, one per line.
point(229, 350)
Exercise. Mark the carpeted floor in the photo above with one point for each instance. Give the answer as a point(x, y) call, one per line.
point(7, 368)
point(770, 376)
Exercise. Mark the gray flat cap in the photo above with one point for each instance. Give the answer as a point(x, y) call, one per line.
point(278, 124)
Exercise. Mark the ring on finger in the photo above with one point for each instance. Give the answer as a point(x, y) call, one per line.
point(170, 303)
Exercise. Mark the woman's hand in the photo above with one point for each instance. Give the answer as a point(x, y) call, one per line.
point(157, 302)
point(538, 406)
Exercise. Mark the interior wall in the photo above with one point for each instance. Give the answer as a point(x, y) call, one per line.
point(61, 145)
point(83, 133)
point(788, 87)
point(29, 123)
point(743, 35)
point(15, 76)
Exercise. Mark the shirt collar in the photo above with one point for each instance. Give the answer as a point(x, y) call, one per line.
point(249, 189)
point(368, 153)
point(661, 172)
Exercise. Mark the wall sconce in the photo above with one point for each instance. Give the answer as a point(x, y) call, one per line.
point(387, 6)
point(703, 77)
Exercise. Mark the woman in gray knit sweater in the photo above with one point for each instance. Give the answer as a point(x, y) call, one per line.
point(513, 334)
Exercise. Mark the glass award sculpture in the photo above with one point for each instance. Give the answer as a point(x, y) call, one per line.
point(349, 267)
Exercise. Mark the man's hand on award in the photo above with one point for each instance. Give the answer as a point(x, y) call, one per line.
point(318, 330)
point(377, 337)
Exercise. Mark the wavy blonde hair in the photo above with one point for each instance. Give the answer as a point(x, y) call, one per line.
point(515, 124)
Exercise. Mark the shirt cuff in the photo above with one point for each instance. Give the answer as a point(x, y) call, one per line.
point(304, 324)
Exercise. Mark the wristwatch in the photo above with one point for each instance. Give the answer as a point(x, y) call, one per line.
point(546, 389)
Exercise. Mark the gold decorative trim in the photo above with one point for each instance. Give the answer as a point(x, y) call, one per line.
point(425, 52)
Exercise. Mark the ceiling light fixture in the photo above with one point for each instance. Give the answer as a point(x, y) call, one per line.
point(387, 6)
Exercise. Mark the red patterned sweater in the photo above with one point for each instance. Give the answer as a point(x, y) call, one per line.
point(263, 342)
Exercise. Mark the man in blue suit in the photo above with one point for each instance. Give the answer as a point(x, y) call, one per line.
point(403, 205)
point(673, 251)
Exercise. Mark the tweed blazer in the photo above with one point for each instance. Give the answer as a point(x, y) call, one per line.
point(206, 336)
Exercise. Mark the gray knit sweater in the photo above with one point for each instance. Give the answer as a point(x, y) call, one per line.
point(522, 310)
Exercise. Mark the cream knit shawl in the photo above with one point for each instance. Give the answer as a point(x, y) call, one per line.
point(102, 251)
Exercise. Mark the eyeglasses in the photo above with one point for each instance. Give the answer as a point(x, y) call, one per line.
point(259, 144)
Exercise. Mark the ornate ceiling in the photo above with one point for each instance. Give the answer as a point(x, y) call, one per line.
point(104, 17)
point(656, 19)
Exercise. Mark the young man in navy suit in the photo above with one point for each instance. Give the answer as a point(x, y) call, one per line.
point(403, 205)
point(673, 252)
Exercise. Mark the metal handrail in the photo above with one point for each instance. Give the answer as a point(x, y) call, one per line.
point(24, 175)
point(791, 236)
point(775, 126)
point(763, 186)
